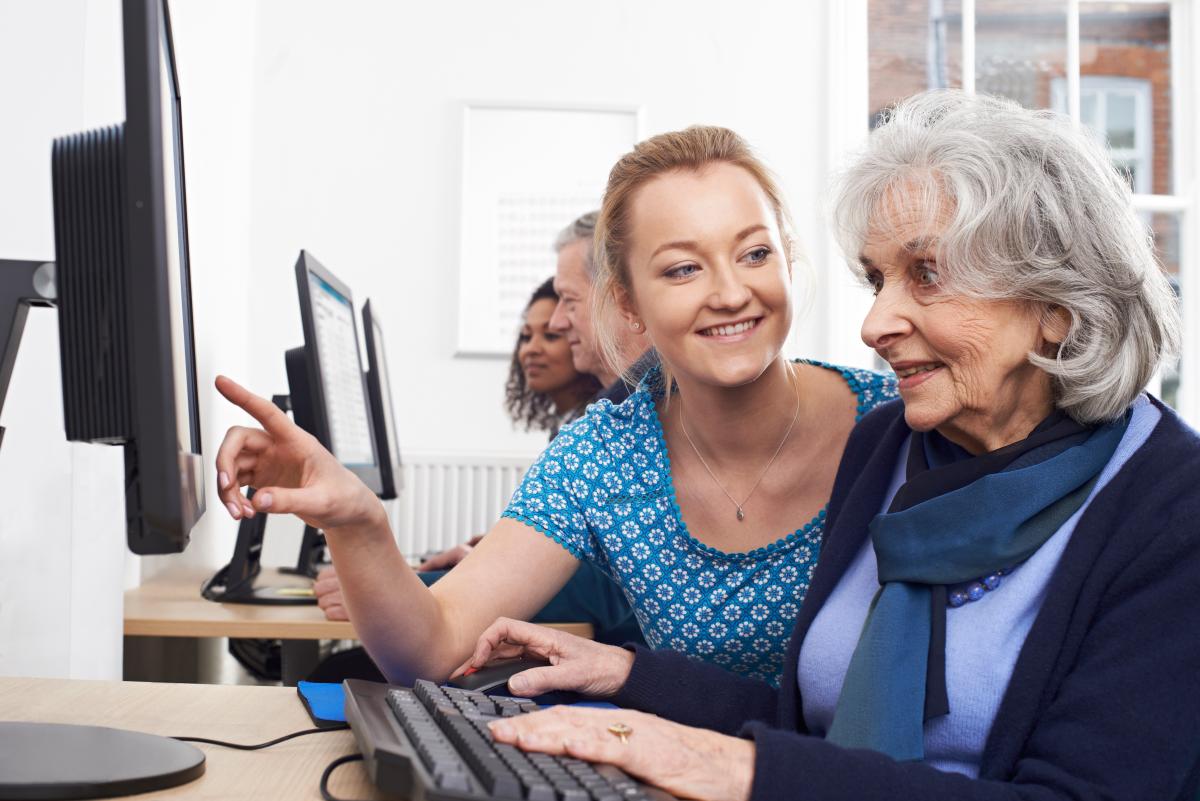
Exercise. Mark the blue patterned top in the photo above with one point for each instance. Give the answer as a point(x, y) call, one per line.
point(603, 490)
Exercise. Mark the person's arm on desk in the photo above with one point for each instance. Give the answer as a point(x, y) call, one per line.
point(409, 629)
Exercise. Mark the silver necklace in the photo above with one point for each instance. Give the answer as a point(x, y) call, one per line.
point(741, 515)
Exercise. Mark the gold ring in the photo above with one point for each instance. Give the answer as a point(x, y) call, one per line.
point(620, 730)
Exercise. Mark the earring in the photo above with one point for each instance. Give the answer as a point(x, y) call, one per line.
point(635, 325)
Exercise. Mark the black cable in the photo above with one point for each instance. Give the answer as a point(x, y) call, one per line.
point(334, 765)
point(276, 741)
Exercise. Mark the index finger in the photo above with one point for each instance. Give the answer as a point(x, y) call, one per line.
point(270, 416)
point(516, 632)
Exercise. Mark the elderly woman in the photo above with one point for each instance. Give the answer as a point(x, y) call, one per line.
point(1006, 606)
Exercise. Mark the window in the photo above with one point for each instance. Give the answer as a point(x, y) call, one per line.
point(1117, 110)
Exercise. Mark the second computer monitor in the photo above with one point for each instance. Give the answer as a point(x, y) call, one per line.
point(337, 387)
point(387, 441)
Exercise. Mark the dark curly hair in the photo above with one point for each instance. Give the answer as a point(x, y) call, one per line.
point(536, 409)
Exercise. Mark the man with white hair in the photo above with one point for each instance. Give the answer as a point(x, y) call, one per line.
point(573, 280)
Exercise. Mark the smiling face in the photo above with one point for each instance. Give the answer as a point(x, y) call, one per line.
point(962, 363)
point(708, 274)
point(544, 355)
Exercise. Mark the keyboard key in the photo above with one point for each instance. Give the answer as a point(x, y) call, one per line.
point(542, 792)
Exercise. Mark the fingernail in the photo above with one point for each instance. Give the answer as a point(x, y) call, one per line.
point(264, 500)
point(518, 683)
point(233, 510)
point(223, 479)
point(501, 730)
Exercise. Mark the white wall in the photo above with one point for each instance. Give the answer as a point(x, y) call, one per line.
point(357, 139)
point(62, 525)
point(335, 127)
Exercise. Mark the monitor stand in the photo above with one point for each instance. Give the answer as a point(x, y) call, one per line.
point(234, 583)
point(23, 284)
point(60, 761)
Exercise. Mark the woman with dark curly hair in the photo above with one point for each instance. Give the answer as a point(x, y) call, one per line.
point(544, 389)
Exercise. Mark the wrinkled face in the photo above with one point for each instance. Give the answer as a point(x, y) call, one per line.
point(709, 276)
point(544, 355)
point(573, 316)
point(962, 363)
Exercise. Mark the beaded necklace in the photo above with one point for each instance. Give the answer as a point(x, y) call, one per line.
point(974, 590)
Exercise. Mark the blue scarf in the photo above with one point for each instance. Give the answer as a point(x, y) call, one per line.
point(955, 519)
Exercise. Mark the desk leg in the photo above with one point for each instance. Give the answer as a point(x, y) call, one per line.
point(298, 659)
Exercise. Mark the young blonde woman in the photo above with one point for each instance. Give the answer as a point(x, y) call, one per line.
point(705, 502)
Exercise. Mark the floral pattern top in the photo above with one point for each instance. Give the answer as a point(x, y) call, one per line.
point(603, 491)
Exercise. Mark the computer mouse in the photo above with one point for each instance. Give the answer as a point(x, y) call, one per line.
point(495, 675)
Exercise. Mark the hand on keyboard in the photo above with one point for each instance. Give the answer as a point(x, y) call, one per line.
point(686, 762)
point(446, 731)
point(577, 664)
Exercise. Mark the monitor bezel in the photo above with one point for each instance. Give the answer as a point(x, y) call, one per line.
point(390, 465)
point(306, 264)
point(170, 501)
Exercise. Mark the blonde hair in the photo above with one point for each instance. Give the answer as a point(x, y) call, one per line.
point(692, 149)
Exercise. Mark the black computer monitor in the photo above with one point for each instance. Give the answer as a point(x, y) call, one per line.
point(124, 283)
point(328, 398)
point(340, 416)
point(379, 389)
point(121, 282)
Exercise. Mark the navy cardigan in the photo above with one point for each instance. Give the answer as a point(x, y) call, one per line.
point(1104, 701)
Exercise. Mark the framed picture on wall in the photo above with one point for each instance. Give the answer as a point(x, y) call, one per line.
point(527, 171)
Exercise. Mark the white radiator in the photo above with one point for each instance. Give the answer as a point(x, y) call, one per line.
point(447, 499)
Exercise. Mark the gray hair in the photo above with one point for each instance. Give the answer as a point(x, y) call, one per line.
point(1037, 213)
point(582, 227)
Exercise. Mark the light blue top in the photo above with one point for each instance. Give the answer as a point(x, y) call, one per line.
point(983, 638)
point(603, 490)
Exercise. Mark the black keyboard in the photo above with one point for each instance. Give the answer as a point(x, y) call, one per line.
point(431, 742)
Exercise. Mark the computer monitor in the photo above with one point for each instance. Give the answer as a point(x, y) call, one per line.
point(122, 286)
point(339, 417)
point(379, 389)
point(121, 282)
point(328, 398)
point(124, 283)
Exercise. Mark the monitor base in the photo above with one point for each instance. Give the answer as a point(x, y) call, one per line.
point(266, 596)
point(59, 761)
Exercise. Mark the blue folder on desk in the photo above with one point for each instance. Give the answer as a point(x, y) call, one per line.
point(325, 702)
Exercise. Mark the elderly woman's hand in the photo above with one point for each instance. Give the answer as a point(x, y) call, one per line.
point(576, 663)
point(685, 761)
point(291, 471)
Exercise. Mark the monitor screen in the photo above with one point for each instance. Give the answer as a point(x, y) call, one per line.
point(379, 387)
point(341, 377)
point(178, 265)
point(385, 391)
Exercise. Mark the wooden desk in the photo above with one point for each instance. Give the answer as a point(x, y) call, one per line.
point(169, 605)
point(236, 714)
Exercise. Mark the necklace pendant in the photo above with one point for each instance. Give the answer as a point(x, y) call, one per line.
point(741, 515)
